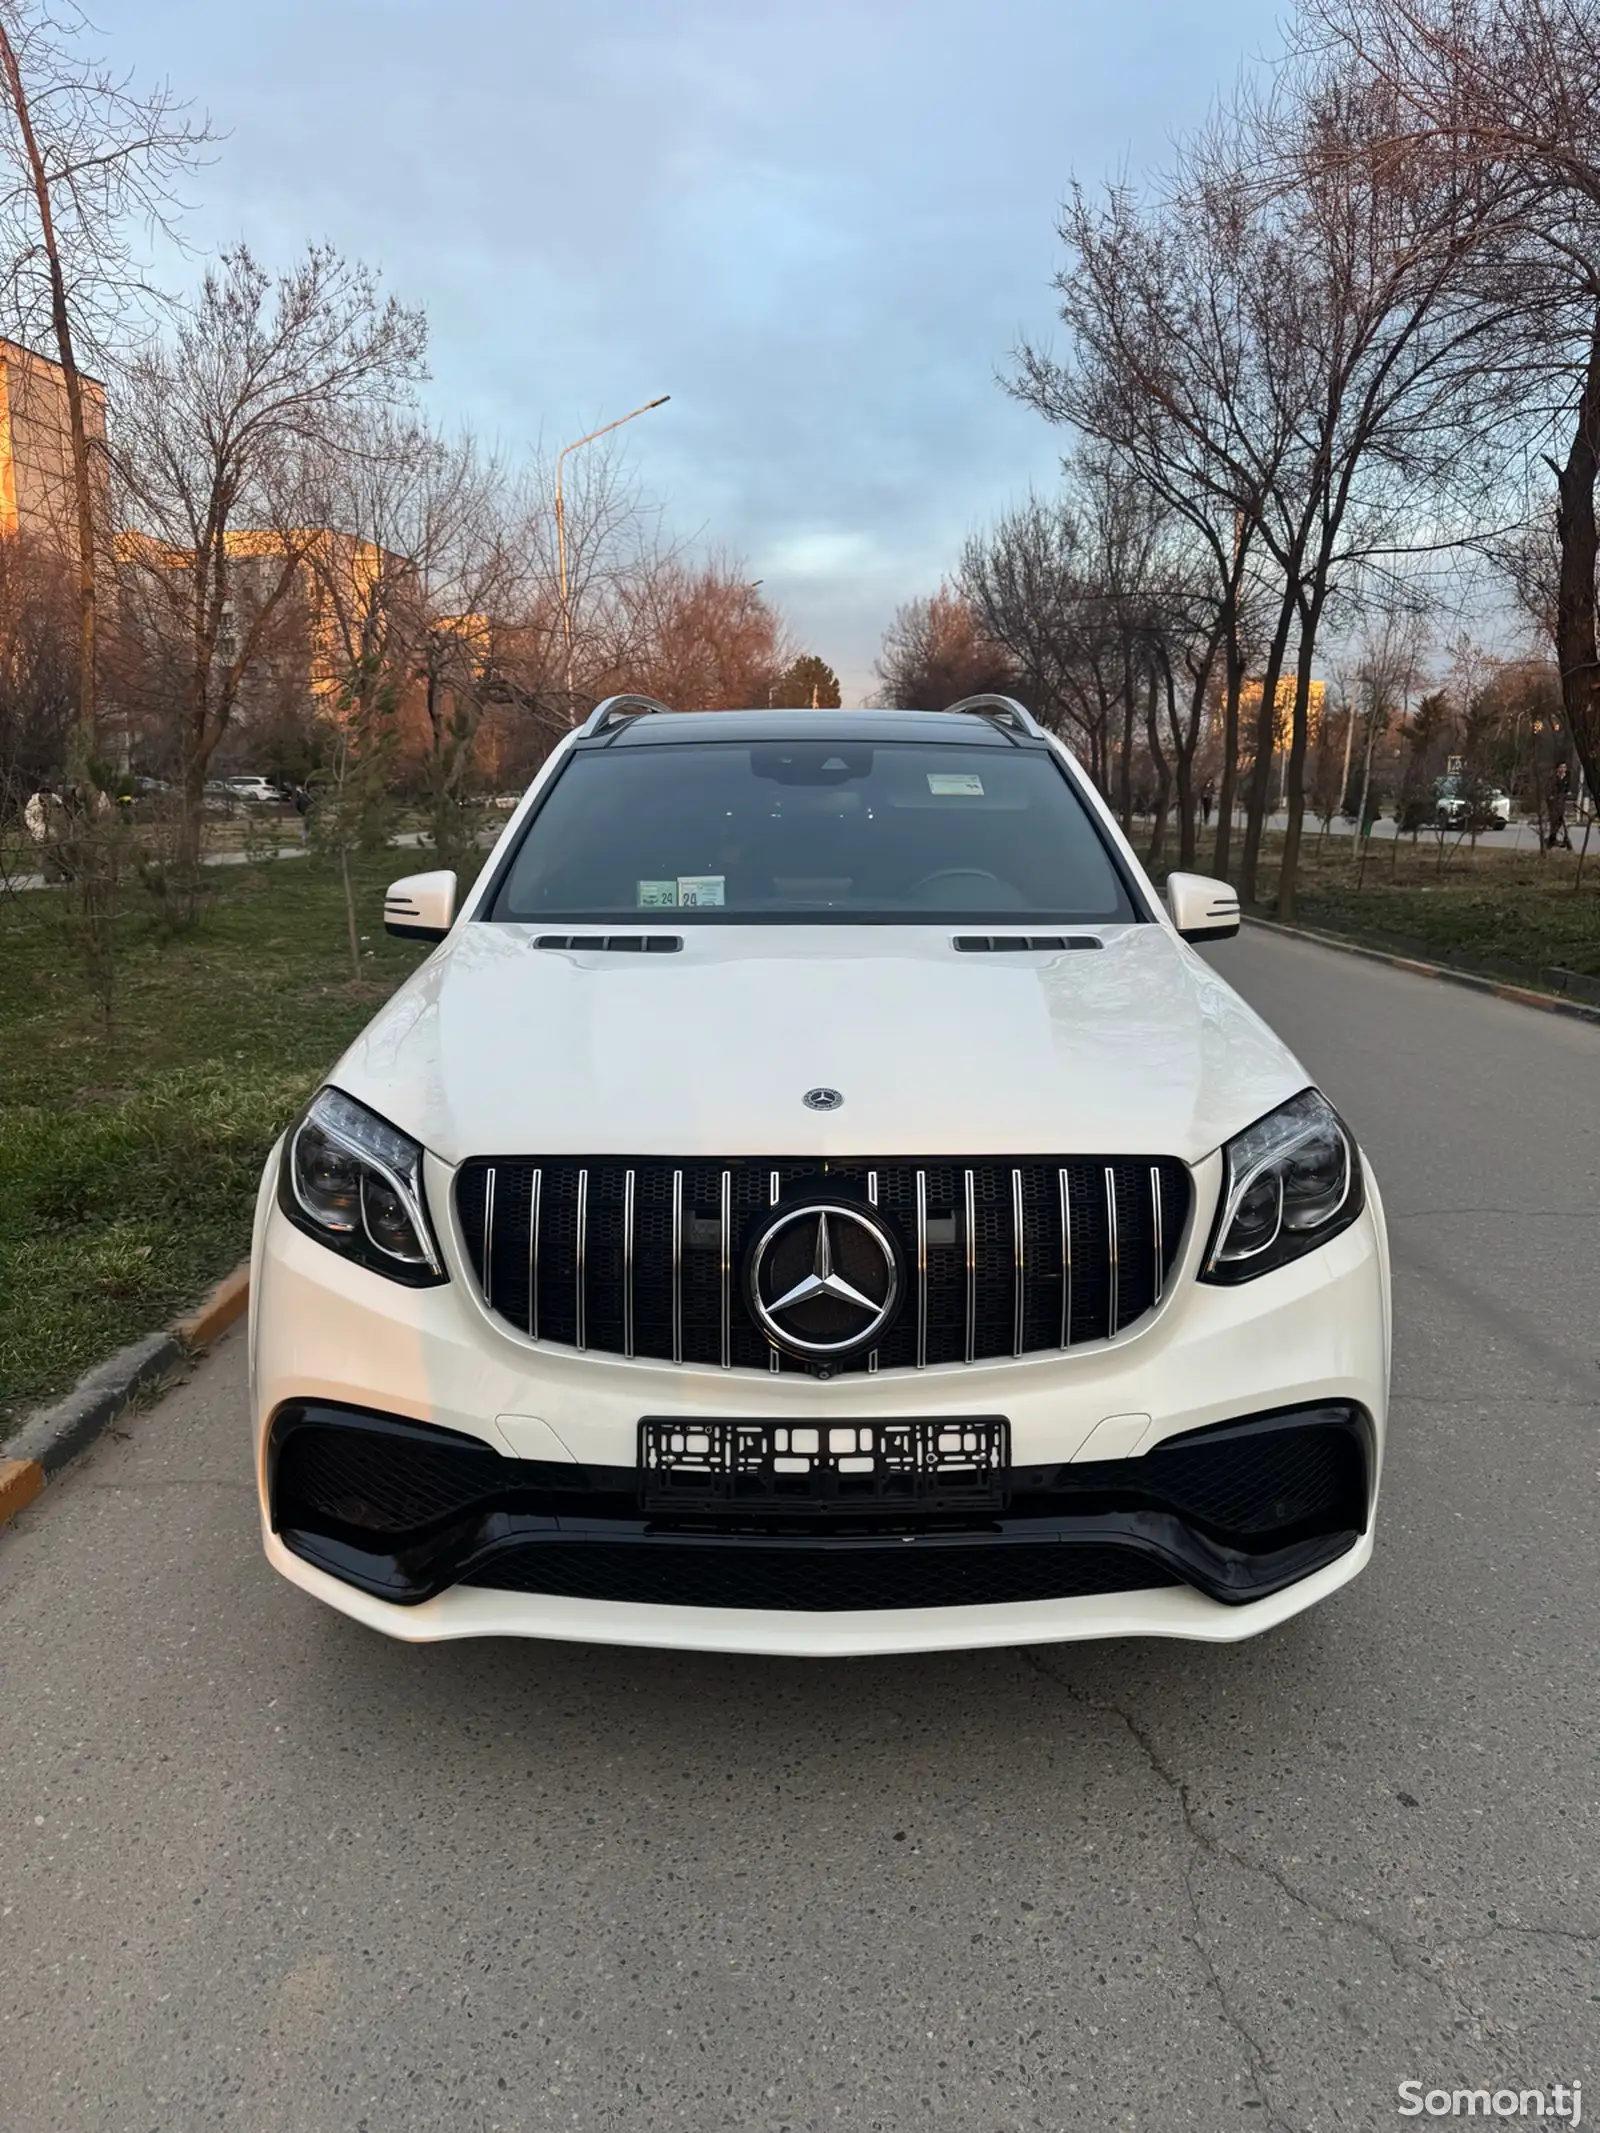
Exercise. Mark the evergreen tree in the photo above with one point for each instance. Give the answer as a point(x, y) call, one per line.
point(807, 683)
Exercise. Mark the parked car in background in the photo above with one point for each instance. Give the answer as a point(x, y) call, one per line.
point(1456, 798)
point(232, 796)
point(257, 792)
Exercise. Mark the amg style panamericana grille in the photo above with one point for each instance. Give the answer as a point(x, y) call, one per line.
point(640, 1256)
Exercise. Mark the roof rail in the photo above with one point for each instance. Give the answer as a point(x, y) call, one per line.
point(615, 711)
point(1004, 711)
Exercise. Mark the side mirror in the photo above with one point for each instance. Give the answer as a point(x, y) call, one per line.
point(421, 907)
point(1202, 909)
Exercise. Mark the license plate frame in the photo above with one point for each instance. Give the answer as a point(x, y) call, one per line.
point(691, 1465)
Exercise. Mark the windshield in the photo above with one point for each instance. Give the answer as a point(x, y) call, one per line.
point(721, 831)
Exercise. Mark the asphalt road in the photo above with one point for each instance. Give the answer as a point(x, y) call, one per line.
point(263, 1870)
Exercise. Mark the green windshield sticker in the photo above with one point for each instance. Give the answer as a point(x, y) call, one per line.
point(955, 784)
point(702, 892)
point(658, 896)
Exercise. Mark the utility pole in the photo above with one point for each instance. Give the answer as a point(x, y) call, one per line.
point(561, 528)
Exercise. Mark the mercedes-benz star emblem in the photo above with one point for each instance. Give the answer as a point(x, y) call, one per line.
point(824, 1280)
point(822, 1099)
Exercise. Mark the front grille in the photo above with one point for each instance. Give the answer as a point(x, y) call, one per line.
point(831, 1581)
point(1006, 1256)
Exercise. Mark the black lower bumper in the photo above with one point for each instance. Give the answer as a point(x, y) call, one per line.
point(402, 1510)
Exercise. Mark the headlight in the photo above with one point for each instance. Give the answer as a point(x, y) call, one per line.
point(1289, 1183)
point(354, 1182)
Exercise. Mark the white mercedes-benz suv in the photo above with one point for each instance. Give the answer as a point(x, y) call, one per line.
point(814, 1200)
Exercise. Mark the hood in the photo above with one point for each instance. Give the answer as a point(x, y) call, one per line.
point(496, 1047)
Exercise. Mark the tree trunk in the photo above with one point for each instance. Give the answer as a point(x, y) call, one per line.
point(95, 857)
point(1185, 740)
point(350, 915)
point(1261, 769)
point(196, 759)
point(82, 481)
point(1125, 766)
point(1366, 791)
point(1233, 681)
point(1577, 652)
point(1298, 736)
point(184, 889)
point(1158, 757)
point(1102, 735)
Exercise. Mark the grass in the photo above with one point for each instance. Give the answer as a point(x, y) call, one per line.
point(129, 1161)
point(1512, 915)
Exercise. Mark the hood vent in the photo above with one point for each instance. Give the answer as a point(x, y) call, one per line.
point(1021, 943)
point(614, 943)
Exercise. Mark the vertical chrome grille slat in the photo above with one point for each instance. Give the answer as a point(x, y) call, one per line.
point(1019, 1248)
point(727, 1269)
point(872, 1195)
point(488, 1235)
point(627, 1264)
point(1159, 1240)
point(1112, 1270)
point(922, 1269)
point(677, 1266)
point(1066, 1259)
point(774, 1188)
point(535, 1194)
point(971, 1227)
point(582, 1255)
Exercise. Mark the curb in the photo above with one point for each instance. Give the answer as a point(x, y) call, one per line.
point(1521, 995)
point(56, 1434)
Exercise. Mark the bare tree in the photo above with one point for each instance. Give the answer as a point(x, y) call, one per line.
point(1104, 602)
point(702, 638)
point(615, 544)
point(935, 652)
point(1169, 304)
point(1044, 585)
point(1285, 337)
point(221, 452)
point(1512, 88)
point(90, 164)
point(1388, 670)
point(434, 582)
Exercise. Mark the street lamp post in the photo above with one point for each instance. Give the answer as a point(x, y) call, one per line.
point(561, 526)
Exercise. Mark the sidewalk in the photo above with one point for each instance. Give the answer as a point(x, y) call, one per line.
point(214, 859)
point(1515, 837)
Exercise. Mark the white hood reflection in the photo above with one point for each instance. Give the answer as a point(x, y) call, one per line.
point(496, 1047)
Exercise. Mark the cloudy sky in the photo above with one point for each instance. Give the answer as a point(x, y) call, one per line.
point(819, 226)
